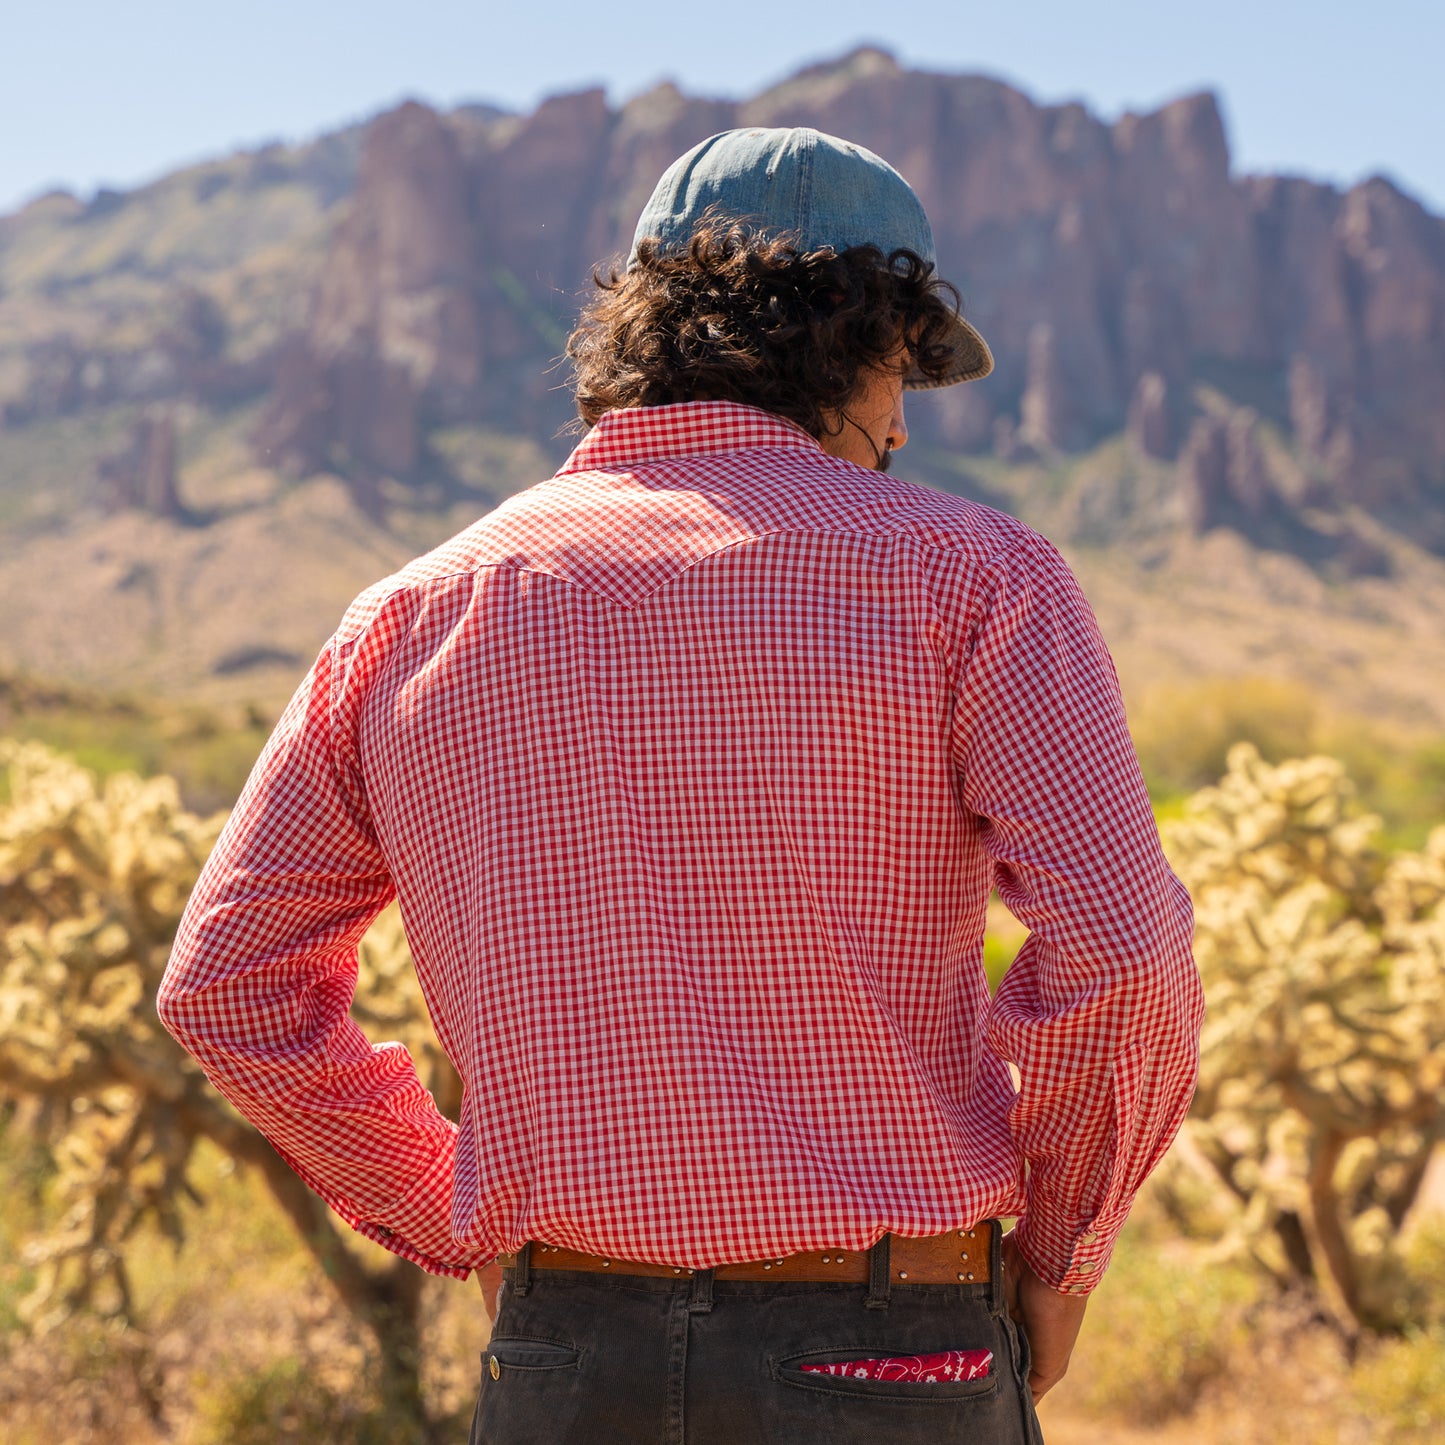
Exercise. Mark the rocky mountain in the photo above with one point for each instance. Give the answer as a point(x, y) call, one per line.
point(1115, 268)
point(1182, 351)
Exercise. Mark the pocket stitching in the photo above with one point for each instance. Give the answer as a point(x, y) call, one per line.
point(567, 1345)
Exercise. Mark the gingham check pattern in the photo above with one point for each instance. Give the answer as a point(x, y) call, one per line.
point(692, 768)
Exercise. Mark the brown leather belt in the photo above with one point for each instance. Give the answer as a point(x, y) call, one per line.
point(960, 1256)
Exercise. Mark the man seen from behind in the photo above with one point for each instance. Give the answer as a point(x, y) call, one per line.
point(692, 769)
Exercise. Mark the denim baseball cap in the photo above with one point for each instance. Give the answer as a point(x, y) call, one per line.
point(824, 191)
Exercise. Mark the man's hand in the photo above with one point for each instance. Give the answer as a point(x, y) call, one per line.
point(489, 1276)
point(1049, 1319)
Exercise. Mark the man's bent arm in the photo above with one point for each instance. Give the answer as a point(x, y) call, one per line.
point(262, 976)
point(1102, 1007)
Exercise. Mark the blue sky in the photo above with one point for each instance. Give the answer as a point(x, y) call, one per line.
point(94, 93)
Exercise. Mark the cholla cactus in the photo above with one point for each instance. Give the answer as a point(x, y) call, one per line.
point(1322, 1088)
point(94, 876)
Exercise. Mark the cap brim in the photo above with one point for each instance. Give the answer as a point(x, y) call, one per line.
point(972, 360)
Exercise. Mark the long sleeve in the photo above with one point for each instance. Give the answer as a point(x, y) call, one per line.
point(1101, 1010)
point(262, 976)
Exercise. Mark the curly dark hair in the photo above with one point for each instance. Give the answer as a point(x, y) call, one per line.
point(742, 317)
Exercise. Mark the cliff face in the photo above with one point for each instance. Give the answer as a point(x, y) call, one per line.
point(1127, 281)
point(1113, 268)
point(396, 315)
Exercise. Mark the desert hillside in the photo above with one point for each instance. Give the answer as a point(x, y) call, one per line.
point(231, 398)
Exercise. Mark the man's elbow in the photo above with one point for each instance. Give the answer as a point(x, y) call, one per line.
point(180, 1000)
point(1166, 980)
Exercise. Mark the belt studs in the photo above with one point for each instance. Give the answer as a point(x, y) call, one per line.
point(606, 1264)
point(902, 1274)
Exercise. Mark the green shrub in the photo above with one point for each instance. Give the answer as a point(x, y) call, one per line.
point(1424, 1262)
point(1183, 734)
point(1399, 1390)
point(1162, 1329)
point(24, 1167)
point(1004, 937)
point(998, 953)
point(278, 1405)
point(290, 1402)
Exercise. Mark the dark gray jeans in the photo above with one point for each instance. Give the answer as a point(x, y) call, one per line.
point(583, 1359)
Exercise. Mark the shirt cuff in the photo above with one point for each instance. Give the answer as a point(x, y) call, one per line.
point(417, 1226)
point(1069, 1259)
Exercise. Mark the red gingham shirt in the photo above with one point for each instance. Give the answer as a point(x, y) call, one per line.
point(692, 769)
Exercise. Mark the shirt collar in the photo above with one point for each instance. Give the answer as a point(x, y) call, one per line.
point(635, 435)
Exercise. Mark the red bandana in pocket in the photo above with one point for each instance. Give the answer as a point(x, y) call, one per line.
point(942, 1368)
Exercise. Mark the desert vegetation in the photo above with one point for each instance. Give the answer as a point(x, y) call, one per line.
point(1319, 1106)
point(94, 875)
point(164, 1277)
